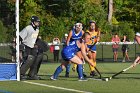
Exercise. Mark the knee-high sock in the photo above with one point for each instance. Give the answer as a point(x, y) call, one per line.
point(91, 67)
point(83, 69)
point(68, 68)
point(57, 72)
point(75, 66)
point(80, 70)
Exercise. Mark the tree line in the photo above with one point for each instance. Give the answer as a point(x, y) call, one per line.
point(59, 16)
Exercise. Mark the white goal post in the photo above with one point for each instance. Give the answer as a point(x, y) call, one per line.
point(17, 40)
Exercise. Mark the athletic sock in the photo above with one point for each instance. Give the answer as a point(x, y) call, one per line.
point(92, 67)
point(57, 72)
point(80, 70)
point(68, 68)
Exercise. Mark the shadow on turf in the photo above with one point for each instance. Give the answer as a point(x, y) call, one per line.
point(47, 77)
point(75, 78)
point(110, 60)
point(116, 72)
point(71, 78)
point(126, 77)
point(122, 77)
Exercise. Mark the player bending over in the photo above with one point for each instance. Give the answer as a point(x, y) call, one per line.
point(69, 54)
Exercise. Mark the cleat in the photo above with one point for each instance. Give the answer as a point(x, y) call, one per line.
point(22, 77)
point(92, 74)
point(82, 79)
point(67, 75)
point(34, 78)
point(123, 60)
point(52, 78)
point(84, 75)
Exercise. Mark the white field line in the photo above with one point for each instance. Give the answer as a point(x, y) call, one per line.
point(45, 85)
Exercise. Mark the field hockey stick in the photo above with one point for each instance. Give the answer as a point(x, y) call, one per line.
point(95, 67)
point(98, 72)
point(122, 71)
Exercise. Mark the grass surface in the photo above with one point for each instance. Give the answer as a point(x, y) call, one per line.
point(127, 82)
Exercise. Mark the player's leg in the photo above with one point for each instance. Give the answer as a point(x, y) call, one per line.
point(58, 70)
point(68, 69)
point(54, 55)
point(126, 55)
point(58, 55)
point(74, 67)
point(115, 54)
point(79, 54)
point(39, 64)
point(27, 64)
point(93, 59)
point(33, 69)
point(29, 54)
point(123, 51)
point(79, 63)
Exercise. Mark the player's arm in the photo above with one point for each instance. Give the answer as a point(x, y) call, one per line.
point(69, 37)
point(84, 53)
point(137, 61)
point(83, 32)
point(98, 36)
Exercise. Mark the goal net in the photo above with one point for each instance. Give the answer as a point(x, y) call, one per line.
point(8, 64)
point(9, 47)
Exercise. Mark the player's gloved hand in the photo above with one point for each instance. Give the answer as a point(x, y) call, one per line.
point(91, 63)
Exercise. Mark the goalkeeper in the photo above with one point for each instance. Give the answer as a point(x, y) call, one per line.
point(28, 37)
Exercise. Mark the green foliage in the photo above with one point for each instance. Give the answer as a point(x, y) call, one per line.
point(3, 31)
point(28, 9)
point(106, 37)
point(58, 16)
point(128, 11)
point(125, 28)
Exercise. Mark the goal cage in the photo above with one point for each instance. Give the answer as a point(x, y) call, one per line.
point(9, 62)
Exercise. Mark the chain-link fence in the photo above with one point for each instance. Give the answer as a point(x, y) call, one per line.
point(7, 29)
point(105, 52)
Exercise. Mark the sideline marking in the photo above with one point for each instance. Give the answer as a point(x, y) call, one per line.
point(45, 85)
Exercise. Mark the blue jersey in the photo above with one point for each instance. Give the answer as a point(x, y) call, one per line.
point(70, 51)
point(75, 36)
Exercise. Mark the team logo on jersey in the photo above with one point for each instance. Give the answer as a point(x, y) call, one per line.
point(72, 43)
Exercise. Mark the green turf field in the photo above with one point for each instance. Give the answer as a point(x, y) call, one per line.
point(127, 82)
